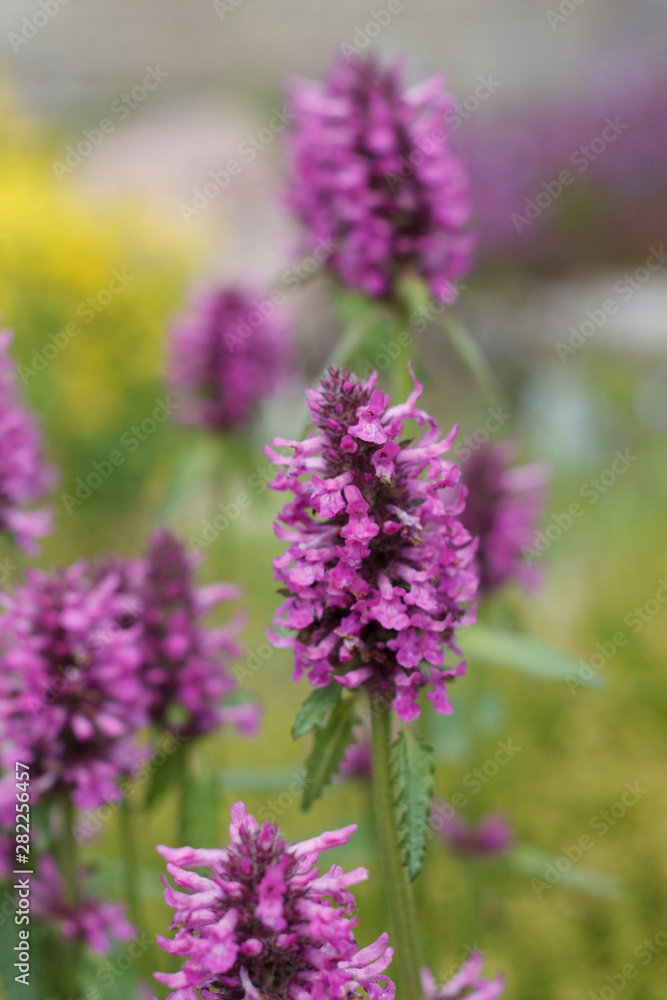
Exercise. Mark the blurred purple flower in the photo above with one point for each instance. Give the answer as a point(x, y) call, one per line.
point(491, 835)
point(467, 983)
point(229, 352)
point(502, 509)
point(70, 697)
point(373, 175)
point(89, 921)
point(24, 475)
point(378, 567)
point(185, 666)
point(357, 760)
point(265, 923)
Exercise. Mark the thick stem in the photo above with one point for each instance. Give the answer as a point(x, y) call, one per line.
point(405, 937)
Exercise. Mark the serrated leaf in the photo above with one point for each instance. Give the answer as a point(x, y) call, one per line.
point(412, 776)
point(328, 748)
point(525, 654)
point(312, 713)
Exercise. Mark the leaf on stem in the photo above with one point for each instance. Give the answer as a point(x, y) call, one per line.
point(328, 748)
point(412, 777)
point(312, 713)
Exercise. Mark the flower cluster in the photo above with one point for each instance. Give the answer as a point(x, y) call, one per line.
point(502, 509)
point(184, 666)
point(379, 566)
point(87, 920)
point(24, 475)
point(467, 983)
point(71, 701)
point(228, 353)
point(265, 923)
point(374, 174)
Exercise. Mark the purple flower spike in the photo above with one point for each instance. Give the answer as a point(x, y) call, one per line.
point(90, 921)
point(228, 353)
point(24, 475)
point(264, 923)
point(502, 509)
point(70, 698)
point(379, 567)
point(467, 983)
point(185, 666)
point(374, 177)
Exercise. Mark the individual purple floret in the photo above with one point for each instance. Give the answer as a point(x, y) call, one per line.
point(467, 983)
point(374, 176)
point(70, 698)
point(229, 352)
point(185, 665)
point(88, 920)
point(491, 835)
point(264, 923)
point(379, 567)
point(24, 475)
point(503, 507)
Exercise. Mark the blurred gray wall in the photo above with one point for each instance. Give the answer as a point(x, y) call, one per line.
point(82, 51)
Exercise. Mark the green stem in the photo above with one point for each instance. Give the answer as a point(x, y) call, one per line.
point(405, 938)
point(128, 848)
point(468, 350)
point(130, 855)
point(343, 351)
point(66, 854)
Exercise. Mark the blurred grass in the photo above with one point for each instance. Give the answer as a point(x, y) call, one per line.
point(579, 747)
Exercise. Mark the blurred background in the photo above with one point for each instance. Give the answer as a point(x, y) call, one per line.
point(117, 123)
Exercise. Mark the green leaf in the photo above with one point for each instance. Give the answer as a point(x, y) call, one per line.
point(412, 777)
point(328, 748)
point(314, 709)
point(546, 869)
point(525, 654)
